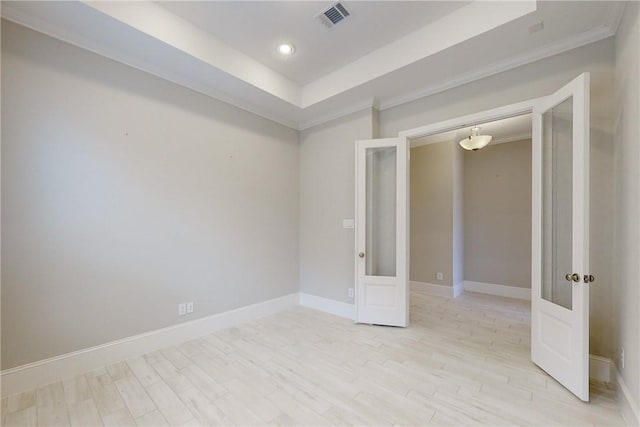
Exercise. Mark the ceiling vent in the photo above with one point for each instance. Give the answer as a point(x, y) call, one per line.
point(333, 14)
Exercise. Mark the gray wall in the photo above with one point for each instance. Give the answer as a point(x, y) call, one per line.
point(526, 82)
point(124, 194)
point(431, 212)
point(497, 214)
point(327, 183)
point(627, 202)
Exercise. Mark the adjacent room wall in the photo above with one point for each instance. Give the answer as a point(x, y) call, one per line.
point(497, 214)
point(471, 214)
point(431, 213)
point(627, 202)
point(124, 195)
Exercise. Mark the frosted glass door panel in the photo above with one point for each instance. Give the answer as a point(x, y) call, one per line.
point(557, 212)
point(381, 211)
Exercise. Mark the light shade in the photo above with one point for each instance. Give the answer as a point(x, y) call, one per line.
point(475, 141)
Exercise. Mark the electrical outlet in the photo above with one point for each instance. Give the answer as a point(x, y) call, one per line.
point(622, 357)
point(439, 276)
point(189, 307)
point(350, 292)
point(182, 309)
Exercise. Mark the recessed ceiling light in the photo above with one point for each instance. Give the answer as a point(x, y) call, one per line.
point(285, 49)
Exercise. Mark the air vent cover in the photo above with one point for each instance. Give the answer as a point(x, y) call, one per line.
point(333, 14)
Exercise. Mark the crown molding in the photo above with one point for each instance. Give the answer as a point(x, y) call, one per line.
point(337, 114)
point(592, 36)
point(495, 141)
point(512, 138)
point(614, 15)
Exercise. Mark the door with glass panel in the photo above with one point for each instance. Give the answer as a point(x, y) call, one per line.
point(560, 252)
point(381, 254)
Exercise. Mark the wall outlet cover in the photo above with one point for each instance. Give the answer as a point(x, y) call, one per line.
point(350, 292)
point(189, 307)
point(348, 223)
point(182, 309)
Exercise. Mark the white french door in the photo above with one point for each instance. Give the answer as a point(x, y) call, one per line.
point(560, 236)
point(382, 233)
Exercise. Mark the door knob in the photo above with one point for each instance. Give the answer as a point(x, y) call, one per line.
point(361, 254)
point(575, 277)
point(588, 278)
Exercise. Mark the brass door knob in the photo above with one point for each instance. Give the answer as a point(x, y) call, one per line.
point(575, 277)
point(589, 278)
point(361, 254)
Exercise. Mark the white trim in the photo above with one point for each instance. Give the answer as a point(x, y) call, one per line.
point(331, 306)
point(458, 288)
point(512, 138)
point(432, 288)
point(499, 290)
point(628, 407)
point(29, 376)
point(600, 368)
point(491, 115)
point(614, 16)
point(336, 115)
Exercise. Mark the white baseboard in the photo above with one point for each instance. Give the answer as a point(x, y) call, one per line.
point(433, 289)
point(327, 305)
point(600, 368)
point(628, 407)
point(458, 288)
point(500, 290)
point(26, 377)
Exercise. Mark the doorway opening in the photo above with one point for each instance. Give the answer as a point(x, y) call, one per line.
point(471, 211)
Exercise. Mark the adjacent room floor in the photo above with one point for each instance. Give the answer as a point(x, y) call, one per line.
point(462, 361)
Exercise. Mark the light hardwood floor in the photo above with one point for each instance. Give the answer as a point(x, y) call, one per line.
point(462, 361)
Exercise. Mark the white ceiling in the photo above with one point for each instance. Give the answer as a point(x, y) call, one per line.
point(387, 53)
point(257, 27)
point(504, 130)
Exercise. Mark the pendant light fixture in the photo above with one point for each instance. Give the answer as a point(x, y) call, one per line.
point(475, 141)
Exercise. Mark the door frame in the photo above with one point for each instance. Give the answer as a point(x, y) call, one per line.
point(468, 120)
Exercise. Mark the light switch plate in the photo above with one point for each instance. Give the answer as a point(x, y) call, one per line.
point(182, 309)
point(348, 223)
